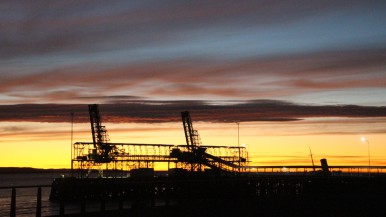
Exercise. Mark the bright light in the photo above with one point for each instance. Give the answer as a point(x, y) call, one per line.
point(363, 139)
point(368, 150)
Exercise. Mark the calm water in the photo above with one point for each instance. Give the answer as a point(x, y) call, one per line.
point(26, 197)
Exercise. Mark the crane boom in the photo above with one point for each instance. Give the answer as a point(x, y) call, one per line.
point(192, 137)
point(99, 132)
point(99, 135)
point(197, 155)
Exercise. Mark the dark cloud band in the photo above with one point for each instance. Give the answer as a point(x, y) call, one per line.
point(144, 111)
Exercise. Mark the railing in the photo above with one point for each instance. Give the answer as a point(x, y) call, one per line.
point(146, 195)
point(339, 170)
point(36, 203)
point(38, 213)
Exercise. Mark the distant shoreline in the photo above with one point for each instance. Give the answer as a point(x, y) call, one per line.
point(20, 170)
point(14, 170)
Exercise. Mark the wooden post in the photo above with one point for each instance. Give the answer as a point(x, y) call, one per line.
point(103, 205)
point(39, 203)
point(61, 209)
point(13, 203)
point(83, 206)
point(120, 205)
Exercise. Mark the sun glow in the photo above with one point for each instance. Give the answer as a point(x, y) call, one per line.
point(47, 145)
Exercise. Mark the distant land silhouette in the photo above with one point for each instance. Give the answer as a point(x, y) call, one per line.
point(31, 170)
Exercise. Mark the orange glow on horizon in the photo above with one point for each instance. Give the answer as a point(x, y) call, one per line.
point(47, 145)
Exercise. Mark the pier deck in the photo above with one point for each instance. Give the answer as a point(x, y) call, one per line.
point(234, 196)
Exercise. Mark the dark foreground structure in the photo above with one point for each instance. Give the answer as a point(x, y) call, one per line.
point(231, 196)
point(205, 181)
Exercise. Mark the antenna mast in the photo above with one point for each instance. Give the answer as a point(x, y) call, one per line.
point(312, 159)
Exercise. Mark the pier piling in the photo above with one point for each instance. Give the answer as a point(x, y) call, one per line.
point(39, 202)
point(13, 203)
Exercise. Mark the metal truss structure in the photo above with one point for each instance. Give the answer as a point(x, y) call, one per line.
point(102, 158)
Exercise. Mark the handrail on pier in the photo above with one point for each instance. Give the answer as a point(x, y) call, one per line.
point(12, 211)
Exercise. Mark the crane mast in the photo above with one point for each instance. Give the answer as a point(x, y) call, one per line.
point(99, 136)
point(197, 155)
point(192, 137)
point(99, 132)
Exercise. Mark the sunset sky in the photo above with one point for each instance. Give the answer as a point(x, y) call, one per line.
point(294, 74)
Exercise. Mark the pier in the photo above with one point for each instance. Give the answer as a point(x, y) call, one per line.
point(198, 195)
point(353, 194)
point(119, 179)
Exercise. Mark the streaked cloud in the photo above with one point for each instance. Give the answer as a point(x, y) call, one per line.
point(142, 111)
point(58, 52)
point(275, 77)
point(46, 27)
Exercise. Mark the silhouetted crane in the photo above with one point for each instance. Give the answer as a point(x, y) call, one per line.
point(197, 156)
point(99, 136)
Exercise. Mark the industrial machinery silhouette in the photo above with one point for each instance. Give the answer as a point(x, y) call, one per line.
point(198, 157)
point(117, 159)
point(190, 189)
point(100, 138)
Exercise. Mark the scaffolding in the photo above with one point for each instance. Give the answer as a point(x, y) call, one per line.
point(127, 157)
point(101, 158)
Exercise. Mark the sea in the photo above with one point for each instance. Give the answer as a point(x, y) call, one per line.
point(26, 196)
